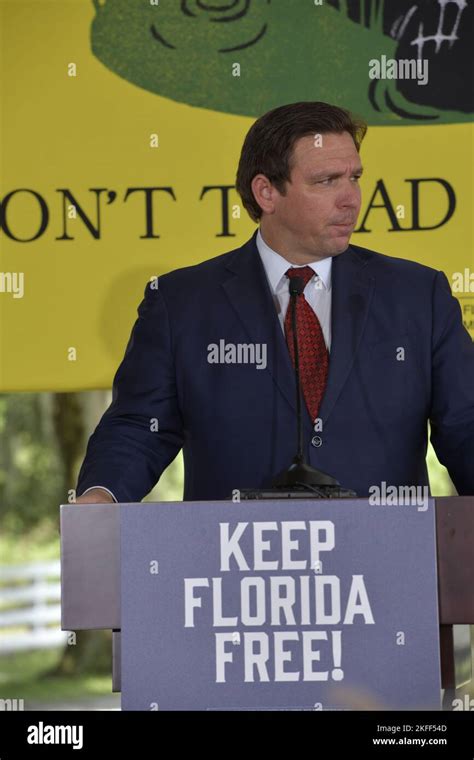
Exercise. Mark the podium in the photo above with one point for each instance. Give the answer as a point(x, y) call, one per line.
point(95, 540)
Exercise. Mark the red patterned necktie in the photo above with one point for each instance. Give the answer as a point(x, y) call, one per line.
point(313, 354)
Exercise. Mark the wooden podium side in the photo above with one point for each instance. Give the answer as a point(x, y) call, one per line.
point(455, 551)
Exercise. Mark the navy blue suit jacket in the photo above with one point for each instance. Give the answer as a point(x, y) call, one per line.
point(236, 423)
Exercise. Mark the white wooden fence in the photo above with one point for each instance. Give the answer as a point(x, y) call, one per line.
point(30, 610)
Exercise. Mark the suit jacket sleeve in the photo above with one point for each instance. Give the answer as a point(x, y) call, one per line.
point(142, 430)
point(452, 400)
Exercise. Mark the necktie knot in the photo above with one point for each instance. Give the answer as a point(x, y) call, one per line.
point(304, 272)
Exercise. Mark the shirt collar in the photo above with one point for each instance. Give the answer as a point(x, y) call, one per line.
point(276, 266)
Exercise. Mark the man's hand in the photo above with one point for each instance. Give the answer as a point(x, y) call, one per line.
point(95, 496)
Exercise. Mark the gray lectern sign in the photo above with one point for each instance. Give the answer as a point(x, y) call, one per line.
point(276, 605)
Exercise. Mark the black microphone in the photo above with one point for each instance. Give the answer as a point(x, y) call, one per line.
point(301, 475)
point(296, 289)
point(300, 480)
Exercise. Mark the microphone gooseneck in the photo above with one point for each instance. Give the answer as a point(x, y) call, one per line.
point(296, 289)
point(299, 480)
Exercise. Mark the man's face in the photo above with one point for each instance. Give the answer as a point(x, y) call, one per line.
point(318, 213)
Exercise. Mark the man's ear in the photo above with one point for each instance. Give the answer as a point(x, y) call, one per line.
point(263, 192)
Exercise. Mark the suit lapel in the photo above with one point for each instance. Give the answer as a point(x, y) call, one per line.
point(249, 293)
point(250, 296)
point(352, 288)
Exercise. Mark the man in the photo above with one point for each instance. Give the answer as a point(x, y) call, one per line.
point(208, 367)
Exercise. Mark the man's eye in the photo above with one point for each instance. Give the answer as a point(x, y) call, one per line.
point(325, 181)
point(356, 177)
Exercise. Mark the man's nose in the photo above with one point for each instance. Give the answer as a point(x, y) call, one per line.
point(349, 196)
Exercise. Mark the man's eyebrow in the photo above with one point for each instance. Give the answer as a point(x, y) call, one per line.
point(333, 175)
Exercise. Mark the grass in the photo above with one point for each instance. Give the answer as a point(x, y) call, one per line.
point(22, 677)
point(60, 690)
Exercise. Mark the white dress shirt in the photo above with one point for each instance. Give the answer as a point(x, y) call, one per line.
point(317, 291)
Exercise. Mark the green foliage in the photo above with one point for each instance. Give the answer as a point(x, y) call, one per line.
point(40, 544)
point(31, 473)
point(170, 485)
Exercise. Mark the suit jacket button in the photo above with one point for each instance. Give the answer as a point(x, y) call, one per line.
point(316, 441)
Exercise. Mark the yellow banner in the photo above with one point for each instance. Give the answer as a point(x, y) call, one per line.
point(107, 182)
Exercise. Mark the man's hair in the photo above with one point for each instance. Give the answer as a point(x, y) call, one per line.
point(268, 146)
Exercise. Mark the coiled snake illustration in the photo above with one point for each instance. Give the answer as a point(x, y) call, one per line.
point(247, 56)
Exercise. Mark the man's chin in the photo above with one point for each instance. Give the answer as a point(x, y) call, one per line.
point(339, 244)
